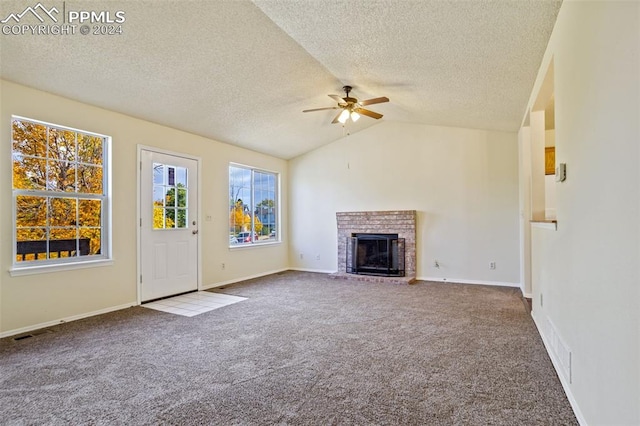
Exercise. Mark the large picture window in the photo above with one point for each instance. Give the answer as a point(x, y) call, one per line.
point(253, 206)
point(60, 194)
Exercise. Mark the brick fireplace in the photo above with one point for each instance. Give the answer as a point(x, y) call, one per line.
point(400, 222)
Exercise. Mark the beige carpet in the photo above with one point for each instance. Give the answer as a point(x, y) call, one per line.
point(301, 349)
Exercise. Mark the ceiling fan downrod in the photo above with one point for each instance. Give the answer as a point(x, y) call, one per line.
point(350, 101)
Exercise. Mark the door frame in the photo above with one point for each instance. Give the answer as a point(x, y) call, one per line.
point(138, 218)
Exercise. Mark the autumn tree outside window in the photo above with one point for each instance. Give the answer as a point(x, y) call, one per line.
point(60, 194)
point(253, 205)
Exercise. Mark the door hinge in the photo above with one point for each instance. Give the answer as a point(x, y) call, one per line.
point(140, 278)
point(141, 165)
point(140, 221)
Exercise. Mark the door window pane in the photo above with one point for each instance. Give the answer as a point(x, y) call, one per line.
point(170, 195)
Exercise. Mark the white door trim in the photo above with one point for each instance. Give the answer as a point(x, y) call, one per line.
point(141, 148)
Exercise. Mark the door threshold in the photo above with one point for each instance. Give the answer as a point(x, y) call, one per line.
point(168, 297)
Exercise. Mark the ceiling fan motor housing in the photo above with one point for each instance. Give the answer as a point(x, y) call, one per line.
point(347, 99)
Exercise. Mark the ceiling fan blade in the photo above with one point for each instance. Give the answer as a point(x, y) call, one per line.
point(375, 101)
point(320, 109)
point(335, 120)
point(368, 113)
point(337, 99)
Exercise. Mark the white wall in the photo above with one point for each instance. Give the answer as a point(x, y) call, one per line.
point(549, 180)
point(28, 301)
point(463, 184)
point(524, 184)
point(550, 197)
point(587, 272)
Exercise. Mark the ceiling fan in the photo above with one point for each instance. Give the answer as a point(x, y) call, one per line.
point(351, 107)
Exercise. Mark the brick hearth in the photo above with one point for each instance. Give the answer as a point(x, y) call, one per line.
point(401, 222)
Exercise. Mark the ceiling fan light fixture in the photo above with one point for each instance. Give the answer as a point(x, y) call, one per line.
point(351, 107)
point(344, 116)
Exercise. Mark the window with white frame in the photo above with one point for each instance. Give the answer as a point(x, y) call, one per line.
point(60, 195)
point(253, 205)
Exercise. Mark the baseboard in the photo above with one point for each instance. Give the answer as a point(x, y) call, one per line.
point(476, 282)
point(318, 271)
point(66, 319)
point(556, 365)
point(237, 280)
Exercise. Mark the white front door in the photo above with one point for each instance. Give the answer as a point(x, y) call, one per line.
point(169, 225)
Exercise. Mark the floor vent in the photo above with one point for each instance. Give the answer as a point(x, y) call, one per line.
point(24, 336)
point(33, 334)
point(562, 351)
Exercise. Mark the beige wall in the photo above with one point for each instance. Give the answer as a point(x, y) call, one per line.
point(28, 301)
point(585, 275)
point(463, 184)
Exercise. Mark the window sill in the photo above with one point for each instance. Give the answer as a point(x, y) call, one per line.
point(45, 269)
point(254, 245)
point(545, 224)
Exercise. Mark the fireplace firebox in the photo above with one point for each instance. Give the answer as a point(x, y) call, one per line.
point(375, 254)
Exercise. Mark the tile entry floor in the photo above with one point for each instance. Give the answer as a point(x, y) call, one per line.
point(192, 304)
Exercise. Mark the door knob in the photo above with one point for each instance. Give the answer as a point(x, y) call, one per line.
point(194, 232)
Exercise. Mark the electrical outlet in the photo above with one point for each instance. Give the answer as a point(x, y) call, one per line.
point(492, 265)
point(208, 218)
point(317, 257)
point(224, 266)
point(301, 256)
point(436, 264)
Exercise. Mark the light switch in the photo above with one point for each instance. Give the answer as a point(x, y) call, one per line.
point(561, 172)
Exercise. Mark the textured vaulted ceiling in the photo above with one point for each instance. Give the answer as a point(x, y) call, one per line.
point(241, 72)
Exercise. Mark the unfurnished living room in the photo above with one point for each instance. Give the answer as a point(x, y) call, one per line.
point(368, 212)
